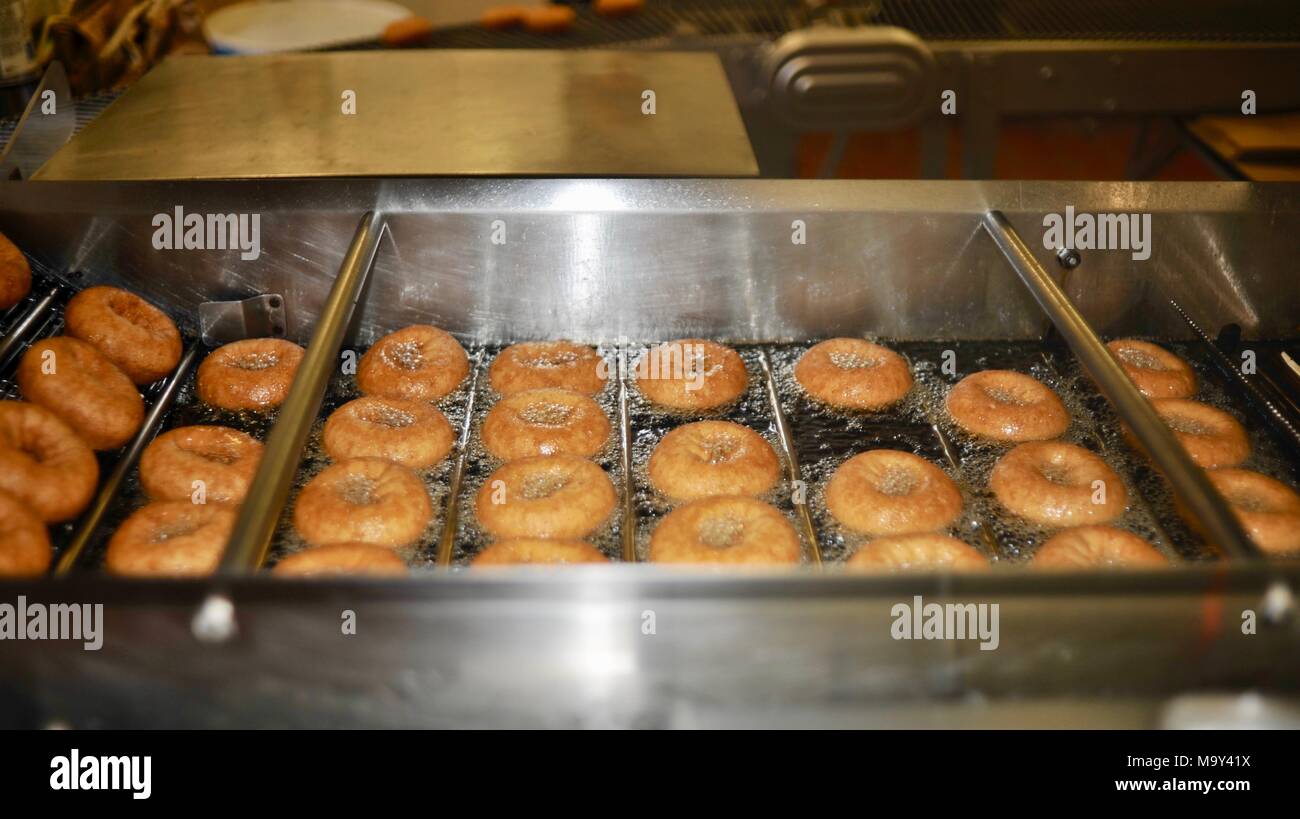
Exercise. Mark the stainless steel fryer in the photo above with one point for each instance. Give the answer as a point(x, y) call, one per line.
point(619, 262)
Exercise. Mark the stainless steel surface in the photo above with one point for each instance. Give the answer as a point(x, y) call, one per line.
point(221, 322)
point(793, 471)
point(88, 525)
point(250, 540)
point(1188, 480)
point(40, 133)
point(425, 113)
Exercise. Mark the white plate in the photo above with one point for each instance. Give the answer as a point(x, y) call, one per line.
point(298, 25)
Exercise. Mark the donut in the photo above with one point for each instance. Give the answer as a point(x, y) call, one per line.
point(1212, 437)
point(411, 433)
point(418, 363)
point(43, 463)
point(75, 382)
point(537, 550)
point(224, 459)
point(364, 500)
point(341, 559)
point(1096, 547)
point(1051, 483)
point(1156, 372)
point(545, 422)
point(549, 19)
point(691, 374)
point(1268, 509)
point(503, 17)
point(713, 458)
point(253, 374)
point(617, 8)
point(925, 551)
point(887, 492)
point(171, 538)
point(532, 365)
point(15, 274)
point(129, 331)
point(556, 496)
point(24, 544)
point(1007, 406)
point(852, 373)
point(725, 529)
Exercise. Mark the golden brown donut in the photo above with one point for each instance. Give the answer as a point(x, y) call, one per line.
point(224, 459)
point(1212, 437)
point(253, 374)
point(76, 382)
point(1007, 406)
point(418, 363)
point(556, 496)
point(411, 433)
point(1096, 547)
point(545, 422)
point(925, 551)
point(341, 559)
point(171, 538)
point(532, 365)
point(887, 492)
point(691, 374)
point(44, 463)
point(549, 19)
point(503, 17)
point(1052, 483)
point(617, 8)
point(15, 274)
point(363, 500)
point(1268, 509)
point(24, 544)
point(1156, 372)
point(133, 334)
point(853, 373)
point(725, 529)
point(713, 458)
point(534, 550)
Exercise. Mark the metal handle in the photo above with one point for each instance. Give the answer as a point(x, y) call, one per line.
point(1188, 479)
point(260, 514)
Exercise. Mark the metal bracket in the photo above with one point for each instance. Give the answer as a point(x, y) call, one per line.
point(222, 322)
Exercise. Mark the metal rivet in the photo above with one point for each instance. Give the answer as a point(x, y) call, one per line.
point(214, 622)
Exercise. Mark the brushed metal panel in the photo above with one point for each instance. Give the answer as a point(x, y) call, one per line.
point(418, 113)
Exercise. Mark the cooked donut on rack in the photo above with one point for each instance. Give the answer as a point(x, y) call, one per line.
point(44, 463)
point(418, 363)
point(133, 334)
point(1156, 372)
point(545, 422)
point(218, 461)
point(925, 551)
point(549, 19)
point(342, 559)
point(1096, 547)
point(24, 544)
point(1058, 484)
point(691, 374)
point(253, 374)
point(1004, 405)
point(536, 550)
point(1212, 437)
point(363, 500)
point(171, 538)
point(887, 492)
point(731, 530)
point(1268, 509)
point(533, 365)
point(411, 433)
point(15, 274)
point(76, 382)
point(853, 373)
point(548, 496)
point(713, 458)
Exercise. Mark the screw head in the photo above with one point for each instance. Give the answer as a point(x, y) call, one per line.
point(1068, 258)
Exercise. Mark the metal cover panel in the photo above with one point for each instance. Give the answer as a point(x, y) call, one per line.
point(418, 113)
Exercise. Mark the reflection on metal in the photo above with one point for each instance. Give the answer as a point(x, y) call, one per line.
point(222, 322)
point(1188, 480)
point(260, 513)
point(40, 133)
